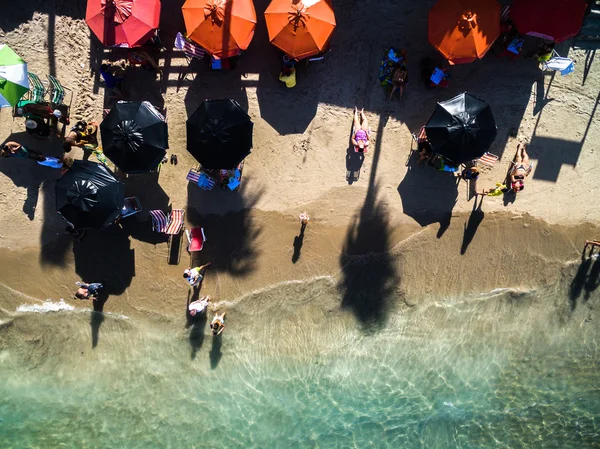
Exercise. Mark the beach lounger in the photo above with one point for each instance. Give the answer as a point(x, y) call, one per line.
point(202, 180)
point(37, 90)
point(196, 239)
point(190, 50)
point(172, 226)
point(488, 159)
point(356, 149)
point(58, 92)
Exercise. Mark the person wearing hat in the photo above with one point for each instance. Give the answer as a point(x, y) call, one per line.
point(360, 139)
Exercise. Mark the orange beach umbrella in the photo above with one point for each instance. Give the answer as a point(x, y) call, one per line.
point(222, 27)
point(301, 28)
point(464, 30)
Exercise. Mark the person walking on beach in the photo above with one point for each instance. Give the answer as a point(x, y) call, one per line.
point(88, 291)
point(199, 306)
point(218, 324)
point(195, 275)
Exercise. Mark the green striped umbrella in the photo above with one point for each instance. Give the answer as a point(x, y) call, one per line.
point(13, 77)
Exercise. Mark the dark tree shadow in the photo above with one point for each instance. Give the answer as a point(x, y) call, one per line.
point(230, 229)
point(472, 225)
point(104, 256)
point(369, 277)
point(215, 351)
point(298, 241)
point(428, 196)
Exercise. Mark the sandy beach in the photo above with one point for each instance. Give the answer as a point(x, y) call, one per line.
point(381, 253)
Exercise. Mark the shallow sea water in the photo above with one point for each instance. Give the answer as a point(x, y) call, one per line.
point(507, 369)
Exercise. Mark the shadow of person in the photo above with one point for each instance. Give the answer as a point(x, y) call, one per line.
point(471, 226)
point(354, 162)
point(428, 196)
point(298, 241)
point(33, 193)
point(97, 316)
point(196, 323)
point(215, 351)
point(579, 281)
point(593, 280)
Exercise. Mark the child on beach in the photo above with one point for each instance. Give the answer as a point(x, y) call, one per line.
point(218, 324)
point(87, 291)
point(195, 275)
point(199, 306)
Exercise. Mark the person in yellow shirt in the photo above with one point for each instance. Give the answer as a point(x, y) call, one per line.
point(288, 78)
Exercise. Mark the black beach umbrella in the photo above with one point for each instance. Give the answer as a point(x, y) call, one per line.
point(88, 196)
point(134, 136)
point(219, 134)
point(461, 129)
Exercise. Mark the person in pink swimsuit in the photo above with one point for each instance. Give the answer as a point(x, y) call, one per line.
point(360, 139)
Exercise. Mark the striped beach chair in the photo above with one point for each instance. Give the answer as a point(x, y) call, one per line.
point(171, 226)
point(200, 179)
point(191, 50)
point(488, 159)
point(57, 91)
point(37, 91)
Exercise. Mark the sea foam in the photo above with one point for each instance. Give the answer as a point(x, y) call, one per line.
point(45, 307)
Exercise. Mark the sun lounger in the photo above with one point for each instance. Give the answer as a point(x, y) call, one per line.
point(57, 91)
point(37, 91)
point(196, 239)
point(488, 159)
point(366, 149)
point(202, 180)
point(172, 226)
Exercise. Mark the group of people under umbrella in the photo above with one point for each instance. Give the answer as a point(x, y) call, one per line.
point(135, 139)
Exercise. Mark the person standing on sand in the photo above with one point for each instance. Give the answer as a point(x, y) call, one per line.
point(218, 324)
point(195, 275)
point(199, 306)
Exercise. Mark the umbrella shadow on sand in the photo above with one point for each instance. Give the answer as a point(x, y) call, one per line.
point(428, 196)
point(369, 277)
point(231, 233)
point(104, 256)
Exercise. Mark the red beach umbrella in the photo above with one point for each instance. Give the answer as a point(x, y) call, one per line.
point(124, 23)
point(556, 20)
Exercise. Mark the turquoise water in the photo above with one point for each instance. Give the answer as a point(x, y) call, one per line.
point(500, 370)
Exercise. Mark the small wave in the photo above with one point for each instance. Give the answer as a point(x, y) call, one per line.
point(45, 307)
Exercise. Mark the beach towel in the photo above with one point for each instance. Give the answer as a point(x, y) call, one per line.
point(389, 63)
point(51, 162)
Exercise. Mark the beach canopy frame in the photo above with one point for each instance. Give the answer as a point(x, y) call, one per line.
point(556, 20)
point(464, 30)
point(461, 129)
point(219, 134)
point(123, 23)
point(88, 196)
point(135, 136)
point(300, 29)
point(221, 27)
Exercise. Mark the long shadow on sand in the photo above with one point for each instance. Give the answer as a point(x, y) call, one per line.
point(472, 225)
point(428, 196)
point(104, 256)
point(586, 280)
point(215, 351)
point(196, 324)
point(369, 275)
point(230, 236)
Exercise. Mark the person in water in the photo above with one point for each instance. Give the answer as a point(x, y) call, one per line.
point(195, 275)
point(199, 306)
point(360, 139)
point(521, 169)
point(88, 291)
point(218, 324)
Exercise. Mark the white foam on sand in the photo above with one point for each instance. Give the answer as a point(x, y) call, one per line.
point(45, 307)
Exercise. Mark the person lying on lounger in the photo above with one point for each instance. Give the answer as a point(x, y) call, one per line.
point(521, 169)
point(360, 139)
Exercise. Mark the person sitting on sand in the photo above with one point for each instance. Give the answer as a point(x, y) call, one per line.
point(521, 169)
point(87, 291)
point(218, 324)
point(500, 189)
point(83, 135)
point(425, 151)
point(399, 80)
point(471, 173)
point(14, 149)
point(195, 275)
point(199, 306)
point(360, 139)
